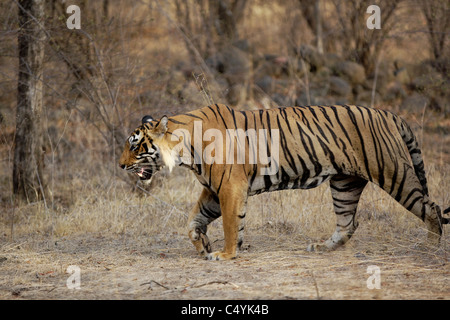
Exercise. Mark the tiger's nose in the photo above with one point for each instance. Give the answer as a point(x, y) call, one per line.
point(122, 166)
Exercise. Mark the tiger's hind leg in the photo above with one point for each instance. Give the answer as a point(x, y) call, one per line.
point(346, 191)
point(205, 211)
point(409, 192)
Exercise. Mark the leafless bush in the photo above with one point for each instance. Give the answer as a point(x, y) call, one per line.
point(344, 27)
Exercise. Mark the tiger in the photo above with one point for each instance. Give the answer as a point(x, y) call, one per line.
point(346, 145)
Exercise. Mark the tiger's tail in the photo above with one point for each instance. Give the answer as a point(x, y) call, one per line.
point(416, 156)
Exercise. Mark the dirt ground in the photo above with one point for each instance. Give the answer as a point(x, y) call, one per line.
point(274, 266)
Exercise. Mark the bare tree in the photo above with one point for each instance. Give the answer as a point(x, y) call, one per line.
point(350, 33)
point(217, 22)
point(364, 45)
point(312, 12)
point(319, 38)
point(228, 14)
point(436, 14)
point(28, 153)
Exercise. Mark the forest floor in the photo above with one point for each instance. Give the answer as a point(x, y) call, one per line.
point(272, 267)
point(126, 245)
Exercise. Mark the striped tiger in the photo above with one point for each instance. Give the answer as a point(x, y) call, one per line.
point(236, 154)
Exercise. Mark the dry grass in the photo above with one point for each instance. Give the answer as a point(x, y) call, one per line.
point(133, 245)
point(165, 266)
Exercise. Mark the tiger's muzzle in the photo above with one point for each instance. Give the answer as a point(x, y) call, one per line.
point(143, 172)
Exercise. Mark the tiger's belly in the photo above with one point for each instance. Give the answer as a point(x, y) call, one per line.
point(268, 183)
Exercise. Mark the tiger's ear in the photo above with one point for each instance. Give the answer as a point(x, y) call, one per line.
point(161, 127)
point(147, 119)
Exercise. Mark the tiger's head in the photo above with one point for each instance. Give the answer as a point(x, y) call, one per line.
point(143, 153)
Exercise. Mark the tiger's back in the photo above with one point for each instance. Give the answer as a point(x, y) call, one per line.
point(315, 143)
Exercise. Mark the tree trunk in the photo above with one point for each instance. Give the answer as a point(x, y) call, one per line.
point(226, 15)
point(28, 152)
point(317, 13)
point(312, 13)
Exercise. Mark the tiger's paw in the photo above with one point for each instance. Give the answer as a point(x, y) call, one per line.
point(201, 242)
point(219, 255)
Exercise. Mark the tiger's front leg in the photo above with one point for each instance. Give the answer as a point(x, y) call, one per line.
point(233, 206)
point(205, 211)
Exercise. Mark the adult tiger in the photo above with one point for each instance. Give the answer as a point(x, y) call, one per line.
point(347, 145)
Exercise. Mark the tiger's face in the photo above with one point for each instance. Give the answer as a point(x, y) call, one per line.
point(141, 154)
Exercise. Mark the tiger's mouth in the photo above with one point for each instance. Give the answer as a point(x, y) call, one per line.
point(143, 173)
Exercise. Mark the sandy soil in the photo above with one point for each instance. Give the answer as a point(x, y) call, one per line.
point(167, 267)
